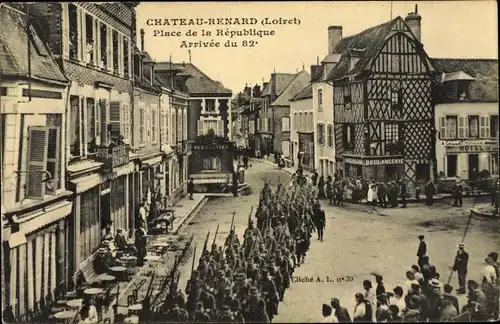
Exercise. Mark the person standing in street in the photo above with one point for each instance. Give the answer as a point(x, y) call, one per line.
point(429, 193)
point(320, 221)
point(460, 266)
point(314, 178)
point(190, 188)
point(328, 317)
point(341, 313)
point(457, 194)
point(422, 250)
point(403, 193)
point(245, 161)
point(143, 213)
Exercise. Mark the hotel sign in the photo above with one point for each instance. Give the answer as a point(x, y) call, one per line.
point(373, 162)
point(470, 146)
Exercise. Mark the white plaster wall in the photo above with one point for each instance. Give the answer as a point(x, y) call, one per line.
point(324, 116)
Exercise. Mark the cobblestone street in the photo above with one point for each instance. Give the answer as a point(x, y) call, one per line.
point(358, 241)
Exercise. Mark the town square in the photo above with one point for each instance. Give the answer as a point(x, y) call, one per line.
point(180, 163)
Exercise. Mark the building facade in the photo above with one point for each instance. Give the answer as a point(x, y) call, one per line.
point(383, 88)
point(467, 118)
point(35, 201)
point(302, 143)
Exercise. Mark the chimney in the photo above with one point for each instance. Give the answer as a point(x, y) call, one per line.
point(334, 37)
point(264, 84)
point(413, 20)
point(256, 91)
point(316, 72)
point(152, 67)
point(273, 86)
point(247, 91)
point(142, 40)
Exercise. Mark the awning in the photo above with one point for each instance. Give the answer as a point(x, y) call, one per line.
point(167, 149)
point(45, 217)
point(86, 183)
point(457, 76)
point(125, 169)
point(151, 162)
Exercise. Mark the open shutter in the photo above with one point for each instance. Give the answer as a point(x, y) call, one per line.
point(461, 127)
point(220, 128)
point(37, 162)
point(200, 127)
point(104, 122)
point(126, 123)
point(114, 119)
point(109, 37)
point(81, 38)
point(53, 160)
point(482, 127)
point(487, 127)
point(97, 111)
point(442, 127)
point(65, 30)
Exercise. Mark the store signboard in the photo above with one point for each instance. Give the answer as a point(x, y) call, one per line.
point(373, 162)
point(470, 146)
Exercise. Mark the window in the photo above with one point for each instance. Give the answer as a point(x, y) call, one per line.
point(142, 120)
point(114, 119)
point(89, 38)
point(347, 95)
point(320, 99)
point(104, 46)
point(210, 105)
point(391, 133)
point(451, 165)
point(43, 162)
point(91, 126)
point(126, 58)
point(396, 99)
point(321, 134)
point(451, 127)
point(494, 164)
point(89, 222)
point(285, 148)
point(349, 136)
point(295, 121)
point(473, 124)
point(153, 124)
point(251, 126)
point(463, 90)
point(125, 123)
point(422, 171)
point(73, 31)
point(285, 124)
point(211, 164)
point(74, 144)
point(330, 136)
point(494, 126)
point(116, 50)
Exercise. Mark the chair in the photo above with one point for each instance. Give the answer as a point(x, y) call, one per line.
point(135, 294)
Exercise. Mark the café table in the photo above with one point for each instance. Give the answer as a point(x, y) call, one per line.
point(106, 277)
point(134, 319)
point(93, 291)
point(120, 273)
point(152, 257)
point(75, 303)
point(65, 316)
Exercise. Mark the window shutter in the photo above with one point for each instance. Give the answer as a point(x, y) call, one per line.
point(114, 119)
point(109, 42)
point(97, 112)
point(482, 127)
point(53, 160)
point(461, 127)
point(81, 39)
point(220, 128)
point(104, 123)
point(442, 127)
point(487, 127)
point(65, 30)
point(126, 123)
point(37, 162)
point(200, 127)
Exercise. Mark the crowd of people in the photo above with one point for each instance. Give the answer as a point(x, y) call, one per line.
point(244, 281)
point(423, 297)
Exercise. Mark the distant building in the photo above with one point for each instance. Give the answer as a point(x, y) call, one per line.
point(208, 112)
point(302, 129)
point(467, 117)
point(383, 88)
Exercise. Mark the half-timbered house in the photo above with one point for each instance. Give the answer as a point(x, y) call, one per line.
point(383, 103)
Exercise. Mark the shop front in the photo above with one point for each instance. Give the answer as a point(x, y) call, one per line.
point(380, 169)
point(305, 152)
point(467, 159)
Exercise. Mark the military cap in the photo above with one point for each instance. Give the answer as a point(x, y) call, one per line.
point(253, 290)
point(225, 308)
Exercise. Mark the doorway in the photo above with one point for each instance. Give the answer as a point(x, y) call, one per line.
point(105, 212)
point(473, 166)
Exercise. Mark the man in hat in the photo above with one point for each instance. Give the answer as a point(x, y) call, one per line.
point(320, 222)
point(430, 190)
point(422, 250)
point(404, 190)
point(434, 297)
point(143, 213)
point(270, 293)
point(460, 266)
point(140, 244)
point(249, 306)
point(448, 295)
point(457, 194)
point(190, 188)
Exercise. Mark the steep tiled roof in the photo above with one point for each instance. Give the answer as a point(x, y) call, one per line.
point(369, 40)
point(292, 88)
point(485, 72)
point(13, 49)
point(199, 82)
point(282, 79)
point(305, 93)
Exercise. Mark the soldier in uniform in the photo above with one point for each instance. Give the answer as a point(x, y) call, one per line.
point(320, 222)
point(199, 315)
point(300, 241)
point(269, 291)
point(225, 315)
point(176, 314)
point(422, 250)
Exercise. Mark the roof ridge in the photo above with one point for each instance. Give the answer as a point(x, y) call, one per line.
point(205, 75)
point(287, 85)
point(373, 27)
point(464, 58)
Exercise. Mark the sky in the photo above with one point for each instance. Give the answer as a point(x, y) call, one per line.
point(450, 29)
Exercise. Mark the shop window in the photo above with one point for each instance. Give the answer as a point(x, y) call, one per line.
point(89, 223)
point(473, 126)
point(211, 164)
point(451, 165)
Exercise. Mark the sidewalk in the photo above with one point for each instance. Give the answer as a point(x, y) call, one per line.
point(184, 210)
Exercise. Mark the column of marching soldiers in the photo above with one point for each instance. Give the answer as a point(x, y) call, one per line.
point(244, 282)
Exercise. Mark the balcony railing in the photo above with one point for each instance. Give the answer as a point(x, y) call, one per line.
point(114, 156)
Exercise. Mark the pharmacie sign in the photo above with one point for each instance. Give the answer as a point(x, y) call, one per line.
point(470, 146)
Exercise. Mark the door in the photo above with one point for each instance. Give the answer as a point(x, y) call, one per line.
point(473, 166)
point(105, 211)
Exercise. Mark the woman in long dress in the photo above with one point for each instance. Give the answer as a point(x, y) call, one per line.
point(369, 196)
